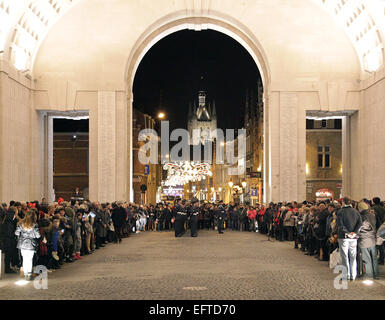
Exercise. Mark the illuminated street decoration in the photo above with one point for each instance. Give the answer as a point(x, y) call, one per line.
point(181, 173)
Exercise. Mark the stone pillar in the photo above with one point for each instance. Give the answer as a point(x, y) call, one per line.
point(301, 153)
point(273, 124)
point(106, 153)
point(121, 147)
point(266, 150)
point(288, 159)
point(130, 167)
point(285, 139)
point(346, 157)
point(49, 193)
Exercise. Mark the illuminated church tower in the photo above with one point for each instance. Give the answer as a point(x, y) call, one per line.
point(202, 115)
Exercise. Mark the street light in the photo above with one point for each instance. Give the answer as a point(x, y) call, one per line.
point(220, 189)
point(161, 115)
point(231, 184)
point(244, 184)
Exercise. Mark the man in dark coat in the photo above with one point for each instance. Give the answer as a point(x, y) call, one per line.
point(194, 218)
point(221, 216)
point(180, 216)
point(99, 225)
point(349, 223)
point(118, 216)
point(320, 231)
point(167, 216)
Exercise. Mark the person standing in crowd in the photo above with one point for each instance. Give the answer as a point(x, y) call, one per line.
point(45, 227)
point(243, 219)
point(349, 224)
point(235, 218)
point(179, 219)
point(269, 216)
point(279, 220)
point(160, 222)
point(299, 226)
point(118, 217)
point(78, 228)
point(379, 211)
point(151, 218)
point(99, 225)
point(367, 241)
point(8, 227)
point(201, 225)
point(221, 216)
point(262, 220)
point(206, 216)
point(66, 224)
point(309, 232)
point(167, 216)
point(331, 228)
point(288, 223)
point(194, 218)
point(251, 215)
point(320, 232)
point(55, 245)
point(28, 236)
point(87, 231)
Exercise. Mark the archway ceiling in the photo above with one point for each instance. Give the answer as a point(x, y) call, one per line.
point(25, 23)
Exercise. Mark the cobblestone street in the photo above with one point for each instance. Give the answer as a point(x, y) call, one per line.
point(235, 265)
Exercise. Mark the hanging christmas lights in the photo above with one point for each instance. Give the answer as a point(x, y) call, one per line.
point(181, 173)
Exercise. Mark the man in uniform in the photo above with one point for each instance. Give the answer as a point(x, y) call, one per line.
point(180, 216)
point(194, 218)
point(221, 215)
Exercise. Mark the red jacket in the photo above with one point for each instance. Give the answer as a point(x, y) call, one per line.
point(251, 214)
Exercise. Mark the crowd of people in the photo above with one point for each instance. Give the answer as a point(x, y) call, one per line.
point(33, 233)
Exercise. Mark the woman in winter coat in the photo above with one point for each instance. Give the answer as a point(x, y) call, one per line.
point(252, 214)
point(367, 242)
point(8, 227)
point(288, 223)
point(28, 235)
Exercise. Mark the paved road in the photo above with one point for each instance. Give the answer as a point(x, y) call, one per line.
point(235, 265)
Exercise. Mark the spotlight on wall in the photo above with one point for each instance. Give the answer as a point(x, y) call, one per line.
point(74, 137)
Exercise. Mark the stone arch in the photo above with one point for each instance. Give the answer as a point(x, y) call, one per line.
point(171, 24)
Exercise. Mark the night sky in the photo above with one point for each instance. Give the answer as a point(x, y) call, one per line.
point(169, 76)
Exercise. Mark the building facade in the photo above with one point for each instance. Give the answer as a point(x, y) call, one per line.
point(323, 159)
point(253, 124)
point(146, 177)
